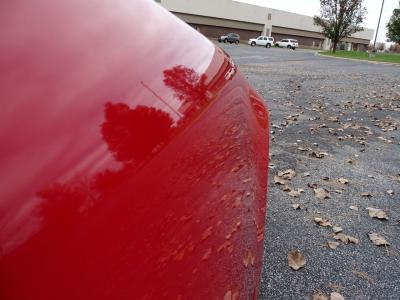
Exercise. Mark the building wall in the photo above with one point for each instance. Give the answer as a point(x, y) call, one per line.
point(232, 16)
point(212, 31)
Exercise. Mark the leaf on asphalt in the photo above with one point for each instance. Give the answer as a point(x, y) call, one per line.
point(377, 239)
point(343, 180)
point(366, 195)
point(390, 192)
point(306, 174)
point(336, 296)
point(396, 177)
point(363, 275)
point(286, 188)
point(248, 258)
point(321, 193)
point(377, 213)
point(296, 260)
point(323, 222)
point(296, 193)
point(287, 174)
point(318, 154)
point(333, 245)
point(337, 229)
point(319, 296)
point(296, 206)
point(279, 180)
point(346, 238)
point(354, 208)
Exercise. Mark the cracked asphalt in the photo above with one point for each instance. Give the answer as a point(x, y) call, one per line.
point(351, 111)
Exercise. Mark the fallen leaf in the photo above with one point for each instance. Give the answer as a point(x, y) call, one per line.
point(296, 206)
point(279, 180)
point(318, 154)
point(377, 239)
point(294, 193)
point(354, 208)
point(366, 194)
point(377, 213)
point(343, 180)
point(333, 245)
point(323, 222)
point(296, 260)
point(321, 193)
point(287, 174)
point(286, 188)
point(337, 229)
point(336, 296)
point(306, 174)
point(363, 275)
point(346, 238)
point(318, 296)
point(390, 192)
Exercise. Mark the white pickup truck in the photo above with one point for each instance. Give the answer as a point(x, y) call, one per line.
point(265, 41)
point(287, 43)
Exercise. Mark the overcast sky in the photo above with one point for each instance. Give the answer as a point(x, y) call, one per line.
point(311, 7)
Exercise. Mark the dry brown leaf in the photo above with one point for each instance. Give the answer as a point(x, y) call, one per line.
point(318, 154)
point(363, 275)
point(377, 239)
point(336, 296)
point(323, 222)
point(333, 245)
point(286, 188)
point(346, 238)
point(287, 174)
point(294, 193)
point(337, 229)
point(296, 260)
point(377, 213)
point(296, 206)
point(390, 192)
point(319, 296)
point(321, 193)
point(366, 194)
point(279, 180)
point(396, 177)
point(343, 180)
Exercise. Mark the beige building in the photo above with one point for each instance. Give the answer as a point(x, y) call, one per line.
point(217, 17)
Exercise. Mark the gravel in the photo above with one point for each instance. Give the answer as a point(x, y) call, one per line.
point(310, 92)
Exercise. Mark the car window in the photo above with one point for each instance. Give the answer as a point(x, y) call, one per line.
point(284, 41)
point(265, 39)
point(259, 38)
point(271, 39)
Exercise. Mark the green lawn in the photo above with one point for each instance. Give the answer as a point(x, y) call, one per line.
point(385, 57)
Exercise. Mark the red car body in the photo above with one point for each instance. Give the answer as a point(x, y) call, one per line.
point(133, 157)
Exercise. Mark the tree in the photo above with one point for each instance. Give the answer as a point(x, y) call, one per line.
point(394, 27)
point(340, 18)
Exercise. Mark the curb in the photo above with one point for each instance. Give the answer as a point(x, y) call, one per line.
point(359, 60)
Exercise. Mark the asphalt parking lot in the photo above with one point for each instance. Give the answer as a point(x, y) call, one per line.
point(329, 119)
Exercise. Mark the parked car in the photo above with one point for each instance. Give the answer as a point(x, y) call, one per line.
point(266, 41)
point(229, 38)
point(124, 178)
point(287, 43)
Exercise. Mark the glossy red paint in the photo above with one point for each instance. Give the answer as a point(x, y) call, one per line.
point(133, 157)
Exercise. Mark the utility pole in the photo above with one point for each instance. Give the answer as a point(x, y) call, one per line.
point(379, 22)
